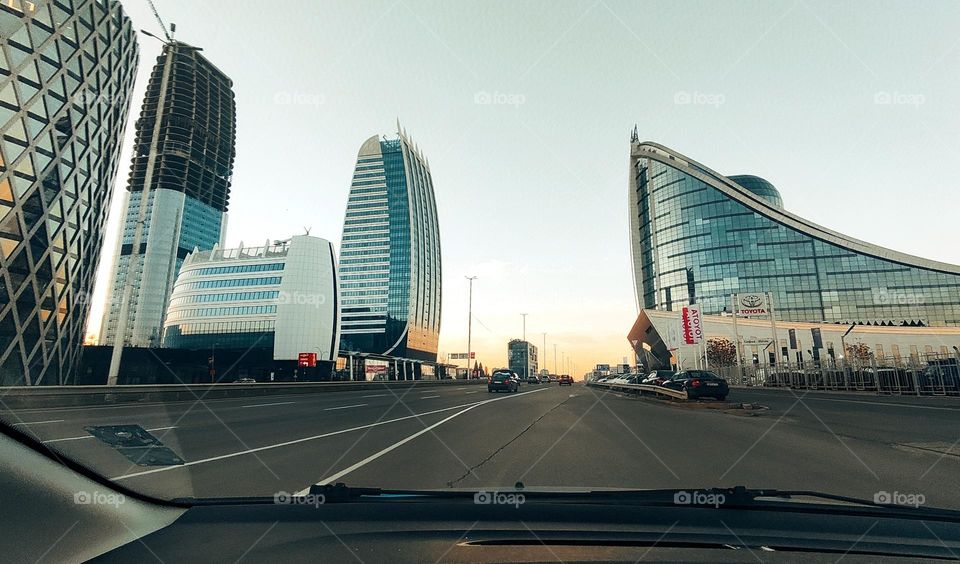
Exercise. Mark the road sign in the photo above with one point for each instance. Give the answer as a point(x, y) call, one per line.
point(462, 356)
point(307, 359)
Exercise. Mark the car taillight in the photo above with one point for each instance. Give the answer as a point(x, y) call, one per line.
point(489, 380)
point(695, 383)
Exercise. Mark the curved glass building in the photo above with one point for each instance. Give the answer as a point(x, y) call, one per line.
point(699, 236)
point(66, 74)
point(390, 254)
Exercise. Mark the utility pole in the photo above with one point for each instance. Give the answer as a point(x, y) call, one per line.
point(555, 370)
point(524, 316)
point(543, 351)
point(470, 321)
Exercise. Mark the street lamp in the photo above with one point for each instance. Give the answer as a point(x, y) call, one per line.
point(469, 323)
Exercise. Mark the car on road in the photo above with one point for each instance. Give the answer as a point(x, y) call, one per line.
point(699, 384)
point(533, 380)
point(657, 377)
point(245, 381)
point(552, 378)
point(566, 380)
point(503, 380)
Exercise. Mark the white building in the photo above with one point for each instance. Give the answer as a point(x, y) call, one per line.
point(283, 296)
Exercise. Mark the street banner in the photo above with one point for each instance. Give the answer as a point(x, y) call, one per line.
point(692, 324)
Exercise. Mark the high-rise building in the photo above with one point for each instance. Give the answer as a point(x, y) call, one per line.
point(700, 237)
point(66, 74)
point(282, 296)
point(522, 357)
point(178, 190)
point(390, 254)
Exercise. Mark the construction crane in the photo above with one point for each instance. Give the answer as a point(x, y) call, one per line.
point(173, 26)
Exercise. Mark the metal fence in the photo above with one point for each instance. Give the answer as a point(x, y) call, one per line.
point(916, 375)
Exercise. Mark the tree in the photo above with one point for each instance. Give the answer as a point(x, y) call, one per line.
point(721, 352)
point(858, 352)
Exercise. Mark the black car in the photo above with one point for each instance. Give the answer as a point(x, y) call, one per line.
point(699, 384)
point(503, 380)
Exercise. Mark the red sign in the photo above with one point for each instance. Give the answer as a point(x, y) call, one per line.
point(307, 360)
point(692, 325)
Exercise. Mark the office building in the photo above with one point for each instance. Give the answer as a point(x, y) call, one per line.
point(281, 296)
point(390, 254)
point(178, 190)
point(66, 73)
point(522, 357)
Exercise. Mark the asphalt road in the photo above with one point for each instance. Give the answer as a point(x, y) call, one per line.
point(463, 437)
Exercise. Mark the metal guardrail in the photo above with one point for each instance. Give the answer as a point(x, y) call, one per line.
point(640, 388)
point(27, 397)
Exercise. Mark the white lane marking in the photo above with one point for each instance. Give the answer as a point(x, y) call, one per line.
point(402, 442)
point(38, 422)
point(288, 443)
point(375, 396)
point(429, 397)
point(345, 407)
point(269, 404)
point(473, 392)
point(91, 436)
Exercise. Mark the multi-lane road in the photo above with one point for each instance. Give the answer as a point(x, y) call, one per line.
point(462, 437)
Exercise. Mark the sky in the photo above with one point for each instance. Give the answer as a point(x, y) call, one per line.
point(524, 111)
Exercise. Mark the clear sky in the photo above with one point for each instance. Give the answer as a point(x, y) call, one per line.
point(524, 110)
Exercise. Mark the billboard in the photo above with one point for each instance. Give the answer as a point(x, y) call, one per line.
point(754, 303)
point(692, 324)
point(307, 359)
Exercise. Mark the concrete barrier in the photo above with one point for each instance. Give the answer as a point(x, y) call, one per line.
point(640, 388)
point(30, 397)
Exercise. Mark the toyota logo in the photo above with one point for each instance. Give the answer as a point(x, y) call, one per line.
point(751, 300)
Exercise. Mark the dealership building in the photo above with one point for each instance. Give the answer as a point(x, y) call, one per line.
point(699, 237)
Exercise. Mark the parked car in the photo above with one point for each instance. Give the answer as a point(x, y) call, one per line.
point(503, 380)
point(245, 380)
point(699, 384)
point(657, 377)
point(566, 380)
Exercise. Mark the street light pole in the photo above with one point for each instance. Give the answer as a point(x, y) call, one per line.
point(470, 322)
point(543, 352)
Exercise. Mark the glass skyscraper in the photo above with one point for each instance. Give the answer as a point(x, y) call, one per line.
point(183, 161)
point(66, 72)
point(390, 254)
point(698, 236)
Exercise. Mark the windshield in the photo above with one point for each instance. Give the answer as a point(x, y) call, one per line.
point(255, 254)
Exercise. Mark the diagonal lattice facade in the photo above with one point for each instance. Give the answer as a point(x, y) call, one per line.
point(66, 73)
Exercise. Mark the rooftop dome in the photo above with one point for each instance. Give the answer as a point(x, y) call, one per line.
point(759, 187)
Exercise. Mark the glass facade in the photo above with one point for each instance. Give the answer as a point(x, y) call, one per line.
point(522, 357)
point(66, 73)
point(183, 161)
point(699, 237)
point(390, 254)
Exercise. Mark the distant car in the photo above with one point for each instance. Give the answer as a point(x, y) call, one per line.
point(657, 377)
point(503, 380)
point(699, 384)
point(552, 378)
point(566, 380)
point(245, 381)
point(533, 379)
